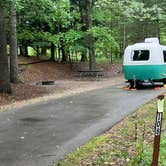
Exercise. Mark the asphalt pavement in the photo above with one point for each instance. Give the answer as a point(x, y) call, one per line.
point(41, 134)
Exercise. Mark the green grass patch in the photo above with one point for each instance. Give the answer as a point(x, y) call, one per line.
point(128, 143)
point(83, 153)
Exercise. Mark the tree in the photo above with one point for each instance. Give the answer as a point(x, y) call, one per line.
point(4, 72)
point(34, 24)
point(90, 39)
point(13, 45)
point(66, 26)
point(78, 7)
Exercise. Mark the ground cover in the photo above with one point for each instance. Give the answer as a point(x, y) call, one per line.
point(67, 80)
point(129, 143)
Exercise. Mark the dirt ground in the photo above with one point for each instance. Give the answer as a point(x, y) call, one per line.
point(66, 79)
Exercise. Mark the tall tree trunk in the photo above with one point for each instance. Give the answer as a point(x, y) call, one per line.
point(158, 30)
point(37, 52)
point(52, 52)
point(13, 46)
point(59, 54)
point(83, 28)
point(67, 53)
point(84, 56)
point(124, 35)
point(44, 51)
point(21, 50)
point(4, 71)
point(64, 57)
point(90, 39)
point(26, 50)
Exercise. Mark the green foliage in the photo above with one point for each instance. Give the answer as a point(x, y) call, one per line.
point(73, 36)
point(145, 153)
point(61, 13)
point(105, 43)
point(26, 34)
point(75, 40)
point(115, 23)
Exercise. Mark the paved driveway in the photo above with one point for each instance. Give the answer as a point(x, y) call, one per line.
point(38, 135)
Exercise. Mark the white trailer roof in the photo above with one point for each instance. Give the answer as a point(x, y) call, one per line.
point(152, 40)
point(151, 44)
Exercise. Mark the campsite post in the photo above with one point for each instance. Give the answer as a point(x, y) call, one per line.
point(158, 126)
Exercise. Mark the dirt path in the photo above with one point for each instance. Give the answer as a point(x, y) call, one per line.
point(65, 76)
point(60, 89)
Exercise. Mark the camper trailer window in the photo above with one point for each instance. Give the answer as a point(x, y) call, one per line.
point(140, 55)
point(164, 54)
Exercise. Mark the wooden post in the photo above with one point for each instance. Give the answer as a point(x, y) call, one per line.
point(158, 126)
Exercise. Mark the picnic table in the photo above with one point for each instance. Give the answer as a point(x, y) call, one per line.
point(91, 73)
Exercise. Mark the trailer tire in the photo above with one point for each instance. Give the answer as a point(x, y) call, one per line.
point(133, 84)
point(164, 80)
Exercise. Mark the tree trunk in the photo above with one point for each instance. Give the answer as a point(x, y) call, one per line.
point(67, 53)
point(158, 30)
point(44, 51)
point(21, 50)
point(4, 71)
point(37, 52)
point(82, 16)
point(52, 52)
point(59, 54)
point(83, 28)
point(124, 35)
point(13, 46)
point(84, 57)
point(64, 57)
point(26, 50)
point(90, 39)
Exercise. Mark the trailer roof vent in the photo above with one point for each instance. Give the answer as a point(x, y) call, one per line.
point(152, 40)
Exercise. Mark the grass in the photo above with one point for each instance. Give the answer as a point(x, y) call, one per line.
point(129, 143)
point(84, 152)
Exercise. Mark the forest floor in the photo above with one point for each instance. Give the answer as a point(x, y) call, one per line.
point(66, 79)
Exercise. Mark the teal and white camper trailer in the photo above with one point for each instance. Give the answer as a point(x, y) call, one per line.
point(145, 63)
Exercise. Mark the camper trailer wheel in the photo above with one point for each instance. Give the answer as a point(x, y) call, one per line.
point(164, 80)
point(133, 84)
